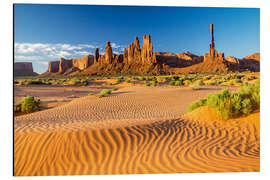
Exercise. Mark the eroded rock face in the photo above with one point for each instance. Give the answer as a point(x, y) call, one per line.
point(254, 56)
point(96, 55)
point(232, 59)
point(148, 57)
point(178, 59)
point(83, 63)
point(213, 55)
point(125, 56)
point(130, 53)
point(53, 66)
point(23, 69)
point(108, 53)
point(64, 65)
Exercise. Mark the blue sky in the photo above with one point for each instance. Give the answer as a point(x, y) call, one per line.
point(47, 32)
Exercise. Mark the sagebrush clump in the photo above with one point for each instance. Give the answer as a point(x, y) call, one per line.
point(232, 105)
point(29, 104)
point(104, 92)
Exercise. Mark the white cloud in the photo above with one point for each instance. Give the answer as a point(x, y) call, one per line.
point(46, 51)
point(114, 45)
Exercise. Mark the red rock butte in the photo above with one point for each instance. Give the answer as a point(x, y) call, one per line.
point(142, 59)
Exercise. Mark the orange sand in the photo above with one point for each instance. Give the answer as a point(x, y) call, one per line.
point(149, 138)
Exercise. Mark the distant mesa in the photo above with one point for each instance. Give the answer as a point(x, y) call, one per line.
point(142, 60)
point(24, 69)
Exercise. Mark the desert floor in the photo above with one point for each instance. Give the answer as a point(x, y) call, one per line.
point(136, 129)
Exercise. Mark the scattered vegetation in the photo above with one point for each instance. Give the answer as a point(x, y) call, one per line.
point(199, 79)
point(231, 105)
point(104, 92)
point(28, 105)
point(114, 89)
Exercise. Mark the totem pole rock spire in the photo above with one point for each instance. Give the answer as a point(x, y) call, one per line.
point(213, 55)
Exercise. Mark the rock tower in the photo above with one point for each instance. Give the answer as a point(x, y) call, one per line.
point(213, 55)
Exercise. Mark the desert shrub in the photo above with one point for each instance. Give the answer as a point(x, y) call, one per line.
point(199, 83)
point(153, 83)
point(147, 83)
point(104, 92)
point(141, 78)
point(210, 82)
point(172, 83)
point(90, 94)
point(16, 82)
point(178, 83)
point(114, 89)
point(196, 104)
point(175, 77)
point(128, 81)
point(29, 104)
point(231, 105)
point(118, 81)
point(187, 82)
point(161, 79)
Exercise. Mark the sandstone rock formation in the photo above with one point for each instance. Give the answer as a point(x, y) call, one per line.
point(141, 60)
point(148, 57)
point(108, 53)
point(213, 55)
point(140, 55)
point(254, 56)
point(83, 63)
point(96, 55)
point(64, 65)
point(53, 66)
point(232, 59)
point(24, 69)
point(250, 62)
point(178, 60)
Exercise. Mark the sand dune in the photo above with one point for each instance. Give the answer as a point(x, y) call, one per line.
point(144, 141)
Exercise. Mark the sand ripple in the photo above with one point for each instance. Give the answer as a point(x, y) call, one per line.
point(175, 145)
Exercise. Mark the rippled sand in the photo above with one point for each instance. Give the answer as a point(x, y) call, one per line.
point(134, 130)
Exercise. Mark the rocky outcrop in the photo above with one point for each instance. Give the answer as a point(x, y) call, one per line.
point(140, 60)
point(213, 55)
point(140, 55)
point(178, 60)
point(96, 55)
point(108, 53)
point(232, 59)
point(53, 66)
point(250, 62)
point(254, 56)
point(83, 63)
point(24, 69)
point(64, 65)
point(148, 57)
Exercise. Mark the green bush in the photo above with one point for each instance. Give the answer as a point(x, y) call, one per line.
point(114, 89)
point(29, 104)
point(128, 81)
point(161, 79)
point(141, 78)
point(104, 92)
point(199, 83)
point(172, 83)
point(231, 105)
point(178, 83)
point(147, 83)
point(196, 104)
point(90, 94)
point(187, 82)
point(153, 83)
